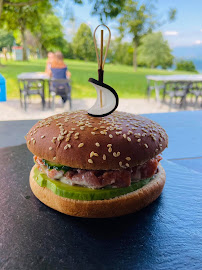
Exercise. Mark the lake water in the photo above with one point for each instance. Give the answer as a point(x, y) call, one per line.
point(198, 64)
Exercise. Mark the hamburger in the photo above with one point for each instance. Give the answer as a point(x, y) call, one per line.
point(97, 167)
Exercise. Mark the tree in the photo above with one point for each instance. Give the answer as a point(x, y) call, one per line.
point(67, 50)
point(107, 9)
point(6, 39)
point(138, 20)
point(102, 8)
point(154, 51)
point(23, 3)
point(120, 52)
point(23, 18)
point(83, 45)
point(185, 65)
point(49, 32)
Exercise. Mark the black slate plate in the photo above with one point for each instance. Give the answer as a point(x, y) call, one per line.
point(165, 235)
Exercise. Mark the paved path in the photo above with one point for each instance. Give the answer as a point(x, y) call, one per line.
point(11, 109)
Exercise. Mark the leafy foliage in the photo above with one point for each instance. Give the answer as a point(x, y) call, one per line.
point(185, 65)
point(6, 39)
point(49, 31)
point(136, 20)
point(121, 53)
point(83, 45)
point(155, 51)
point(24, 17)
point(105, 9)
point(139, 19)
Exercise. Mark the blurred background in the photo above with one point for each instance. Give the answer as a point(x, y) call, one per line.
point(149, 38)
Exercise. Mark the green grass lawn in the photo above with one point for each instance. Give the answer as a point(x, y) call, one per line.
point(123, 79)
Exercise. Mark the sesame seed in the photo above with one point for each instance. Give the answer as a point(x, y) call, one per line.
point(124, 135)
point(146, 145)
point(90, 160)
point(129, 139)
point(91, 154)
point(43, 136)
point(109, 145)
point(76, 134)
point(69, 145)
point(82, 128)
point(28, 142)
point(95, 128)
point(93, 133)
point(81, 145)
point(120, 164)
point(138, 140)
point(128, 158)
point(60, 137)
point(34, 141)
point(114, 154)
point(97, 144)
point(127, 165)
point(118, 154)
point(54, 158)
point(110, 136)
point(76, 137)
point(73, 128)
point(50, 148)
point(110, 150)
point(104, 157)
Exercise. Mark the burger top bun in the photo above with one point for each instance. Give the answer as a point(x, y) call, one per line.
point(78, 140)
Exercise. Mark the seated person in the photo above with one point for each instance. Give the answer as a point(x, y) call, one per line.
point(49, 62)
point(59, 70)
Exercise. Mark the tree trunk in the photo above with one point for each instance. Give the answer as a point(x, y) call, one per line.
point(24, 42)
point(135, 56)
point(40, 52)
point(1, 7)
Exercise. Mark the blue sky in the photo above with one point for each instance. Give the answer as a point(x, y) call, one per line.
point(185, 31)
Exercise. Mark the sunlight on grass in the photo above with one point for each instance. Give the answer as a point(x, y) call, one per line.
point(123, 79)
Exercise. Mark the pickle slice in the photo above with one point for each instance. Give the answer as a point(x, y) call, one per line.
point(52, 165)
point(83, 193)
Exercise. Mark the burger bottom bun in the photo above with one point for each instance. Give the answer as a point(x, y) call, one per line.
point(119, 206)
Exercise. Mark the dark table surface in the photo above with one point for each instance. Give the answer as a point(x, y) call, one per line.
point(165, 235)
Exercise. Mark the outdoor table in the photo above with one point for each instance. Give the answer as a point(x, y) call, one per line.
point(34, 76)
point(165, 235)
point(161, 80)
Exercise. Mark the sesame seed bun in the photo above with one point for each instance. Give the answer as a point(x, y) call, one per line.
point(122, 205)
point(78, 140)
